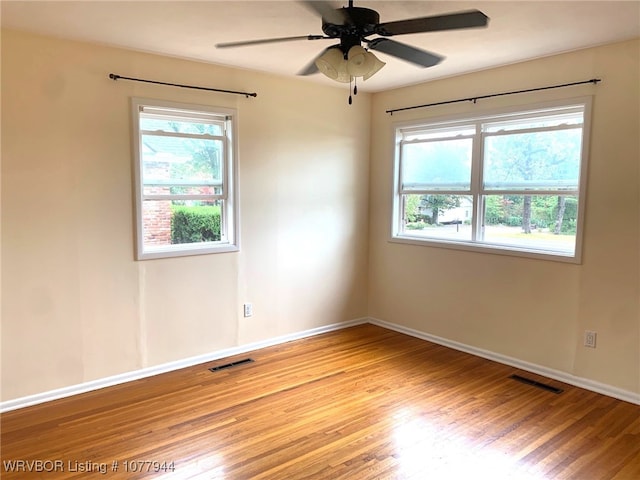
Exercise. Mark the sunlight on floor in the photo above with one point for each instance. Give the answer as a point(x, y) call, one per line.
point(422, 447)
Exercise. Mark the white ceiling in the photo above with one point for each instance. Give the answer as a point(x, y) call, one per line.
point(517, 31)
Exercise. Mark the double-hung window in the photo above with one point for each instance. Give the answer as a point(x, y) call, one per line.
point(510, 182)
point(184, 179)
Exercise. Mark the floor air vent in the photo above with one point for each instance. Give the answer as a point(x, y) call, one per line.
point(534, 383)
point(232, 364)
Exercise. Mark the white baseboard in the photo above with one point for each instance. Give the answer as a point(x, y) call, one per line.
point(188, 362)
point(167, 367)
point(561, 376)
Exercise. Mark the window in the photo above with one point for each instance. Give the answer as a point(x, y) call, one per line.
point(185, 179)
point(511, 182)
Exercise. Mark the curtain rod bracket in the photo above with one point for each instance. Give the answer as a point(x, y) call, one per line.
point(115, 77)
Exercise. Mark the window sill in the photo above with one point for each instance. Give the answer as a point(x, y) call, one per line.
point(494, 249)
point(185, 251)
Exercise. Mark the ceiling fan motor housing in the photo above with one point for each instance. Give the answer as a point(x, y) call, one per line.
point(357, 21)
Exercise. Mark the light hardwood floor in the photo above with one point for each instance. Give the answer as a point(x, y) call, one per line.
point(359, 403)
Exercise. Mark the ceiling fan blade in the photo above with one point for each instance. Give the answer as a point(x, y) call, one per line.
point(326, 10)
point(405, 52)
point(453, 21)
point(269, 40)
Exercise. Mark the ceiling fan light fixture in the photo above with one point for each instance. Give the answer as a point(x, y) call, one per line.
point(362, 63)
point(376, 65)
point(358, 62)
point(343, 73)
point(332, 63)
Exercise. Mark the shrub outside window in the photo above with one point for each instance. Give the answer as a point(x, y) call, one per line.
point(184, 179)
point(510, 182)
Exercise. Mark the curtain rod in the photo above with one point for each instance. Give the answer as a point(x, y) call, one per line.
point(115, 77)
point(475, 99)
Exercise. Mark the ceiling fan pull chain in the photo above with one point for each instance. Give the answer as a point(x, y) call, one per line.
point(355, 85)
point(350, 99)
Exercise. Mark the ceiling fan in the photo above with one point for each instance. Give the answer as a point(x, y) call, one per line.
point(347, 60)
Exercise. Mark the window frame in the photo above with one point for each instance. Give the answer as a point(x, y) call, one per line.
point(476, 190)
point(230, 238)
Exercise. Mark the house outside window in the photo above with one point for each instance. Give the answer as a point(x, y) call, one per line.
point(510, 182)
point(185, 179)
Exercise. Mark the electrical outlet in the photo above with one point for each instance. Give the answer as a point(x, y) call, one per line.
point(590, 339)
point(248, 309)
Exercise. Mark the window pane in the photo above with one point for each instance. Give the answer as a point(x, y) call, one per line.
point(540, 160)
point(437, 165)
point(545, 222)
point(175, 160)
point(166, 222)
point(438, 216)
point(186, 190)
point(180, 126)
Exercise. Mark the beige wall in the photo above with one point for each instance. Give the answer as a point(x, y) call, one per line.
point(76, 306)
point(532, 310)
point(315, 189)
